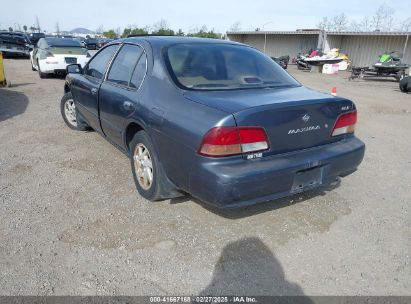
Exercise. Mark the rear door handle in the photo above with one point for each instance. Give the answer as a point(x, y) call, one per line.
point(93, 91)
point(128, 106)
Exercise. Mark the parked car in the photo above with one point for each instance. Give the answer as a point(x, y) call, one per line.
point(91, 43)
point(102, 42)
point(82, 41)
point(216, 119)
point(35, 37)
point(52, 55)
point(14, 44)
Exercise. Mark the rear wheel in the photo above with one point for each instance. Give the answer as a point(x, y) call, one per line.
point(41, 74)
point(70, 115)
point(147, 172)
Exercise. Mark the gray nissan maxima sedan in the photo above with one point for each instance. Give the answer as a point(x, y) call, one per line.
point(216, 119)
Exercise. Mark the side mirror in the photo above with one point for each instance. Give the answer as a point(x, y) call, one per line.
point(74, 69)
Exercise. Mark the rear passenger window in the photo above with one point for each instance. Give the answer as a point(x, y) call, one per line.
point(124, 64)
point(98, 64)
point(139, 72)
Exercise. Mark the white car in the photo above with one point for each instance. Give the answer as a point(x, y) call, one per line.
point(52, 55)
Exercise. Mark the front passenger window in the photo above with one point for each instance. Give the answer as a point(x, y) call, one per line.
point(97, 65)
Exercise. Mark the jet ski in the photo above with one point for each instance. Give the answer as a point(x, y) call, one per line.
point(317, 58)
point(389, 62)
point(388, 65)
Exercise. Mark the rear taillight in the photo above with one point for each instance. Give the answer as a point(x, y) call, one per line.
point(224, 141)
point(345, 124)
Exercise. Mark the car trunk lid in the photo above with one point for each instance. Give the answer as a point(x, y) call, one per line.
point(293, 118)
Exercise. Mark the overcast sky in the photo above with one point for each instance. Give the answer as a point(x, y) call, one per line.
point(186, 14)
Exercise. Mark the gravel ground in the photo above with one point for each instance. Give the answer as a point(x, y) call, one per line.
point(72, 223)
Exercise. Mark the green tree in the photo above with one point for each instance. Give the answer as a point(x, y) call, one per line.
point(126, 32)
point(161, 28)
point(205, 33)
point(139, 31)
point(25, 28)
point(10, 29)
point(180, 33)
point(164, 32)
point(134, 31)
point(110, 34)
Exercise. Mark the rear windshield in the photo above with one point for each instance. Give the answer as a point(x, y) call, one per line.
point(214, 66)
point(62, 42)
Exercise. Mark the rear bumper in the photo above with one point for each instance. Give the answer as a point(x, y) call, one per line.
point(237, 182)
point(57, 64)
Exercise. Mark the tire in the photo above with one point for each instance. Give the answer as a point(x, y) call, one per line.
point(32, 66)
point(405, 84)
point(41, 74)
point(69, 113)
point(145, 163)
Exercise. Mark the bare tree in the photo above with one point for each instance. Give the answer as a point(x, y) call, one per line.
point(324, 24)
point(383, 18)
point(160, 25)
point(100, 29)
point(366, 24)
point(405, 26)
point(339, 23)
point(235, 27)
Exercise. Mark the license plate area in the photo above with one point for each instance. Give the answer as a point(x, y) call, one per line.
point(70, 59)
point(307, 179)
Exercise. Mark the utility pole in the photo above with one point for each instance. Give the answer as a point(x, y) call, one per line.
point(38, 24)
point(58, 29)
point(265, 34)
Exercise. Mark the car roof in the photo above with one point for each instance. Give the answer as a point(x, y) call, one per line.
point(168, 40)
point(12, 33)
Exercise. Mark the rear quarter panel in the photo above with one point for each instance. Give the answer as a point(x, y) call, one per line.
point(175, 124)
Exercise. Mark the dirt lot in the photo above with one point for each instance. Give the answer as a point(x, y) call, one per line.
point(71, 221)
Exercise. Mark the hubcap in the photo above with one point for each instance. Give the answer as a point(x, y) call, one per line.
point(143, 166)
point(70, 112)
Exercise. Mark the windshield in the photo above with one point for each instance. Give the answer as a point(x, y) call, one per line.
point(214, 66)
point(62, 42)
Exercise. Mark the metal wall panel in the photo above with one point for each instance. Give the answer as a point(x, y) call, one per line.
point(279, 44)
point(364, 50)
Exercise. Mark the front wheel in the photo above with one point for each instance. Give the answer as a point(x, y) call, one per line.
point(69, 113)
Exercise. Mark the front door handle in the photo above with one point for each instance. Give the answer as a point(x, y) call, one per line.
point(93, 91)
point(128, 106)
